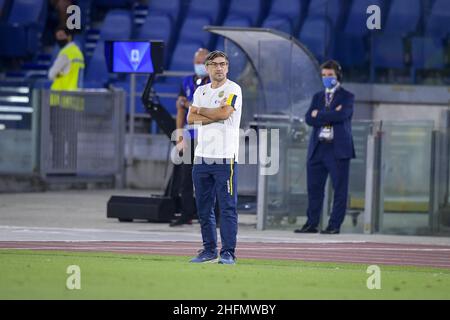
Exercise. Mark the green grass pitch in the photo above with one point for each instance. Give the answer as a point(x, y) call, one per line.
point(42, 275)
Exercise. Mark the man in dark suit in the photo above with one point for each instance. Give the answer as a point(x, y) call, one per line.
point(330, 149)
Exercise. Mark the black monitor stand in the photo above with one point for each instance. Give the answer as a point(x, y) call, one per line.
point(153, 208)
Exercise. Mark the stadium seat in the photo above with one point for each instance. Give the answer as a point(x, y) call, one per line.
point(388, 52)
point(403, 18)
point(427, 53)
point(97, 73)
point(232, 22)
point(210, 9)
point(280, 24)
point(113, 3)
point(117, 25)
point(20, 35)
point(235, 21)
point(169, 7)
point(25, 12)
point(251, 11)
point(356, 24)
point(287, 8)
point(182, 58)
point(438, 22)
point(284, 15)
point(350, 51)
point(316, 35)
point(331, 9)
point(192, 30)
point(351, 47)
point(157, 27)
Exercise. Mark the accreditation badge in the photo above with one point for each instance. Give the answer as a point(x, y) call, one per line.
point(326, 134)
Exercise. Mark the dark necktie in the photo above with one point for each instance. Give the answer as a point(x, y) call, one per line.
point(328, 97)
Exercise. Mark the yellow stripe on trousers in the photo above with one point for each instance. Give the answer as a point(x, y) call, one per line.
point(231, 177)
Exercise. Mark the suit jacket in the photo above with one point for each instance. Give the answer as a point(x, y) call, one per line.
point(340, 120)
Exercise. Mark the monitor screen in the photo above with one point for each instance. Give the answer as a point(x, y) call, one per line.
point(134, 56)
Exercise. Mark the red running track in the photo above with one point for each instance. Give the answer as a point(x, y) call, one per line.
point(346, 252)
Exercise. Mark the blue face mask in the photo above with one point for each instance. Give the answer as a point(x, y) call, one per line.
point(329, 82)
point(200, 70)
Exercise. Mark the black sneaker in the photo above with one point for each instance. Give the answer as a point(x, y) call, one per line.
point(307, 229)
point(180, 222)
point(330, 231)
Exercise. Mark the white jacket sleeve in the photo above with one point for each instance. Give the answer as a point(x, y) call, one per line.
point(59, 66)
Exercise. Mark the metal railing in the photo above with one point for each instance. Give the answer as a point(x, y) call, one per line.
point(82, 133)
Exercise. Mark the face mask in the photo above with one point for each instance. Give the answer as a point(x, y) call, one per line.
point(200, 70)
point(62, 43)
point(329, 82)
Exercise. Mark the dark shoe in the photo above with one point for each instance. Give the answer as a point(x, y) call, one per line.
point(330, 231)
point(306, 229)
point(227, 258)
point(205, 257)
point(180, 222)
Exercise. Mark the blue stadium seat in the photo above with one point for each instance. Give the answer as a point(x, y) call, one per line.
point(183, 56)
point(97, 73)
point(284, 15)
point(331, 9)
point(316, 35)
point(157, 27)
point(117, 25)
point(235, 21)
point(85, 8)
point(251, 10)
point(356, 24)
point(388, 52)
point(241, 22)
point(351, 47)
point(438, 22)
point(210, 9)
point(24, 12)
point(287, 8)
point(113, 3)
point(403, 18)
point(20, 35)
point(350, 51)
point(192, 30)
point(169, 7)
point(279, 23)
point(427, 53)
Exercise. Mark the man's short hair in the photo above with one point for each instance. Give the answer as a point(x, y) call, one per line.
point(333, 64)
point(215, 54)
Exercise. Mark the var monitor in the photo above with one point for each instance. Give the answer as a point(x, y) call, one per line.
point(134, 56)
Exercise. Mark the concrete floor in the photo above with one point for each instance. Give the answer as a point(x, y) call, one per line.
point(81, 216)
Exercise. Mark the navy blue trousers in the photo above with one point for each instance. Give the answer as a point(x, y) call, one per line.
point(322, 163)
point(213, 181)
